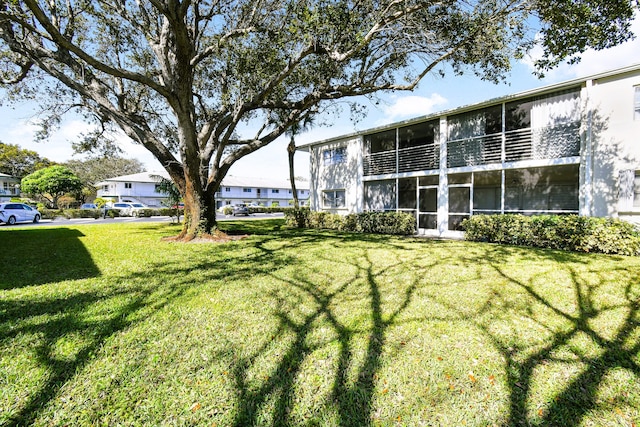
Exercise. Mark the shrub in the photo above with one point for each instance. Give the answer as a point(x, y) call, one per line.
point(50, 213)
point(297, 218)
point(398, 223)
point(570, 232)
point(82, 213)
point(227, 210)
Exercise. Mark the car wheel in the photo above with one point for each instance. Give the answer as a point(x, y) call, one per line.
point(11, 220)
point(36, 219)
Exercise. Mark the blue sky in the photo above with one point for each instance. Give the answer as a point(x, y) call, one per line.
point(434, 94)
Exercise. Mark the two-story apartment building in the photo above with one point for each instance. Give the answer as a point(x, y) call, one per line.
point(572, 147)
point(143, 188)
point(9, 187)
point(261, 191)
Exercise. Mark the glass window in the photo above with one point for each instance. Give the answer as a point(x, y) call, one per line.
point(429, 180)
point(246, 190)
point(518, 115)
point(493, 119)
point(382, 141)
point(636, 190)
point(428, 200)
point(334, 156)
point(275, 191)
point(459, 200)
point(475, 123)
point(333, 199)
point(127, 185)
point(417, 135)
point(407, 197)
point(227, 189)
point(636, 103)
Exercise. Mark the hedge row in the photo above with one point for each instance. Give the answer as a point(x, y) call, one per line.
point(99, 213)
point(570, 232)
point(228, 209)
point(398, 223)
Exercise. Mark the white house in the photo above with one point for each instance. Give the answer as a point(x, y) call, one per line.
point(9, 187)
point(572, 147)
point(143, 188)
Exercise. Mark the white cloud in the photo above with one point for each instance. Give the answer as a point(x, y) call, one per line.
point(593, 61)
point(402, 107)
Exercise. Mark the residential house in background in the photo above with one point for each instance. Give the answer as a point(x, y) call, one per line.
point(9, 187)
point(143, 188)
point(568, 148)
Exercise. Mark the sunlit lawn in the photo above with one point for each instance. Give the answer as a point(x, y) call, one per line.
point(110, 325)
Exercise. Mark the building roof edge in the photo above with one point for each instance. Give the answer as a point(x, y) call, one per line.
point(523, 94)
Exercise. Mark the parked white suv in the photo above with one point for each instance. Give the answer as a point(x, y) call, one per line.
point(11, 213)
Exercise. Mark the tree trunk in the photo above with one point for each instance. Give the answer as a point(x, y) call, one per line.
point(199, 210)
point(291, 150)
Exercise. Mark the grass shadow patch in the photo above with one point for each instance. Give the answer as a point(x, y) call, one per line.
point(44, 255)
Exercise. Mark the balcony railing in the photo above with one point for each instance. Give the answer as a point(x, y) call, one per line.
point(424, 157)
point(517, 145)
point(554, 142)
point(480, 150)
point(380, 163)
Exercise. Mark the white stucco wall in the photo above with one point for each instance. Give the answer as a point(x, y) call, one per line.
point(345, 176)
point(615, 140)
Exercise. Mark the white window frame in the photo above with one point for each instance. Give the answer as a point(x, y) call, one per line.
point(247, 190)
point(275, 191)
point(332, 200)
point(128, 185)
point(334, 156)
point(636, 102)
point(636, 191)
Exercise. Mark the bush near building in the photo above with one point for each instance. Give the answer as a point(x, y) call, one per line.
point(570, 232)
point(398, 223)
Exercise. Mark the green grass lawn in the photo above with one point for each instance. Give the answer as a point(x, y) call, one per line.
point(110, 325)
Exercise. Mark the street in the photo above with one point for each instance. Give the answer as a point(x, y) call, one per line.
point(62, 222)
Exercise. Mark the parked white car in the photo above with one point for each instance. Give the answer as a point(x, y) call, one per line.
point(10, 213)
point(129, 209)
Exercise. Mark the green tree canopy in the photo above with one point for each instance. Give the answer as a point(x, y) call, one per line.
point(203, 83)
point(19, 162)
point(51, 183)
point(96, 169)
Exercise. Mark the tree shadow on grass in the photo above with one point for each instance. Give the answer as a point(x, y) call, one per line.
point(610, 351)
point(580, 395)
point(351, 396)
point(43, 255)
point(67, 319)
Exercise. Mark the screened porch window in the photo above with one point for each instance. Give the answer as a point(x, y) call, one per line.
point(380, 195)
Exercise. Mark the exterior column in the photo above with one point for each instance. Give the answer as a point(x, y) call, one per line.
point(443, 186)
point(585, 199)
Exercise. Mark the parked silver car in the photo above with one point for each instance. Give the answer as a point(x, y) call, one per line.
point(240, 209)
point(11, 213)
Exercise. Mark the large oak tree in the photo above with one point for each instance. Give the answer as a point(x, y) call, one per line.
point(203, 83)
